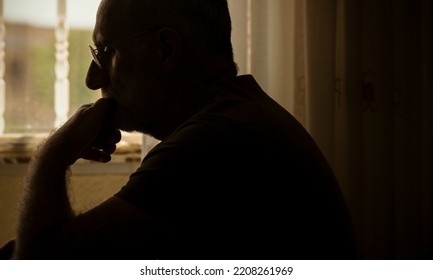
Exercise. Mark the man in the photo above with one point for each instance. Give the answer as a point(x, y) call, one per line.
point(235, 176)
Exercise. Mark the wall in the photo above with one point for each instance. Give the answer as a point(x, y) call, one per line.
point(86, 191)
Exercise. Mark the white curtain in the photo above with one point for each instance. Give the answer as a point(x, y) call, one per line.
point(357, 74)
point(281, 43)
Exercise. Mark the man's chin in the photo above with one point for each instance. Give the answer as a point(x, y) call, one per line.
point(125, 122)
point(124, 126)
point(122, 123)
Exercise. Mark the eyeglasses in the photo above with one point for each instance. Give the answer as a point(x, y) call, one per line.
point(101, 54)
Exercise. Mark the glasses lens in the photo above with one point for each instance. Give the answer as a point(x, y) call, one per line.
point(94, 53)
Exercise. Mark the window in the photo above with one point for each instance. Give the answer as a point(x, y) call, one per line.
point(42, 53)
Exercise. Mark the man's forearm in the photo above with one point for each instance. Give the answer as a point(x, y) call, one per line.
point(45, 204)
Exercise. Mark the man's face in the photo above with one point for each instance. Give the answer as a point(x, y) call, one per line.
point(134, 87)
point(127, 72)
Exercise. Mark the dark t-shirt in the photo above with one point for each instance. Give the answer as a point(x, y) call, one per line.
point(242, 179)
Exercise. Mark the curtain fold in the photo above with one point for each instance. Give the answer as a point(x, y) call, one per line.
point(358, 75)
point(319, 52)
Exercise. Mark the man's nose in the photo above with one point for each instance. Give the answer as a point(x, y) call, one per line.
point(96, 77)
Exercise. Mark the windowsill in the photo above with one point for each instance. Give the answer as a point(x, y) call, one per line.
point(16, 151)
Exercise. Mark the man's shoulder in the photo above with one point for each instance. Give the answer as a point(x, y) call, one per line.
point(238, 101)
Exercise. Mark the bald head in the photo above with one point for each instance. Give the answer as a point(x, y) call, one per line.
point(205, 26)
point(111, 21)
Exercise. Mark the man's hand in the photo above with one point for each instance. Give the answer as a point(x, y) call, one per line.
point(88, 134)
point(47, 226)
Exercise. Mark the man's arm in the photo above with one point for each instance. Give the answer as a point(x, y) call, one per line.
point(47, 226)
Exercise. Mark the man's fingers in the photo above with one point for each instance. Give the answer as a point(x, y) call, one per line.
point(103, 106)
point(95, 127)
point(109, 149)
point(107, 140)
point(99, 112)
point(96, 154)
point(110, 136)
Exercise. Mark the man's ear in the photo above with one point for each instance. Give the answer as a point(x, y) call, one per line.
point(170, 48)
